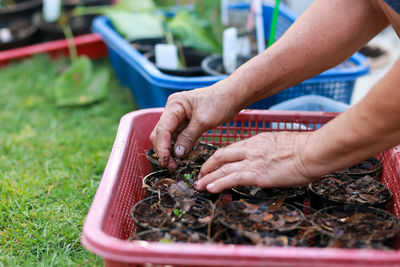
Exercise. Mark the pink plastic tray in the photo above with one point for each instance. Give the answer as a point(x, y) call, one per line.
point(108, 223)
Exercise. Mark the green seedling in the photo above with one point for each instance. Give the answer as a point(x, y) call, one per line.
point(179, 213)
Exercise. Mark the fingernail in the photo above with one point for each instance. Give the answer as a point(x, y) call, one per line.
point(179, 150)
point(211, 187)
point(196, 185)
point(199, 176)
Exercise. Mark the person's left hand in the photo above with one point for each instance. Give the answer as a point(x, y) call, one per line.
point(264, 160)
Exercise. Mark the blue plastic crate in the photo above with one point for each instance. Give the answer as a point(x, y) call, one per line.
point(311, 103)
point(151, 87)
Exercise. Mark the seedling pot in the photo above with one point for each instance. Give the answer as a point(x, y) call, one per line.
point(21, 8)
point(370, 166)
point(261, 216)
point(146, 45)
point(356, 224)
point(291, 195)
point(212, 65)
point(193, 61)
point(338, 189)
point(171, 236)
point(200, 153)
point(23, 32)
point(164, 212)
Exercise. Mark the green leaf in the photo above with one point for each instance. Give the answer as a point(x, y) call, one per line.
point(136, 25)
point(190, 31)
point(79, 86)
point(187, 176)
point(136, 5)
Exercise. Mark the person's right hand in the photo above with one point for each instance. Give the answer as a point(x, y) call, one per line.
point(188, 115)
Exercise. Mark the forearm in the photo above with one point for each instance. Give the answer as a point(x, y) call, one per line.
point(364, 130)
point(324, 36)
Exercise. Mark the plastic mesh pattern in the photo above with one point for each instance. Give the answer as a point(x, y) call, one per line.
point(119, 222)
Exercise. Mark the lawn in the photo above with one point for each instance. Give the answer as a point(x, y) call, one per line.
point(51, 163)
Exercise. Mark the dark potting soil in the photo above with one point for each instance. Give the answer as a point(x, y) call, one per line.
point(346, 190)
point(166, 212)
point(269, 193)
point(171, 236)
point(371, 166)
point(260, 216)
point(195, 158)
point(356, 224)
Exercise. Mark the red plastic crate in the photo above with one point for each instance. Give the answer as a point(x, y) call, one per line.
point(109, 223)
point(90, 45)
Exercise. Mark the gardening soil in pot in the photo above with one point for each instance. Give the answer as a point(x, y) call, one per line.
point(292, 195)
point(17, 32)
point(192, 64)
point(166, 212)
point(262, 216)
point(370, 166)
point(178, 184)
point(356, 224)
point(171, 236)
point(340, 189)
point(195, 158)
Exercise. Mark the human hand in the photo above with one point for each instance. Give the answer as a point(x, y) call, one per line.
point(264, 160)
point(188, 115)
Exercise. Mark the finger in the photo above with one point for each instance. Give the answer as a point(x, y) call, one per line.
point(232, 180)
point(221, 157)
point(166, 126)
point(187, 138)
point(224, 171)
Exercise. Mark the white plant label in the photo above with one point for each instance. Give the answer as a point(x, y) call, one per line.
point(166, 56)
point(229, 57)
point(51, 10)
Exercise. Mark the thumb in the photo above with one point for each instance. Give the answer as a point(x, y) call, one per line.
point(187, 138)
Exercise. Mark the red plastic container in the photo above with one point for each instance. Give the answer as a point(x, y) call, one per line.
point(90, 45)
point(109, 223)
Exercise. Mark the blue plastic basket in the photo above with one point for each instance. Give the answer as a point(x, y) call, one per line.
point(311, 103)
point(151, 87)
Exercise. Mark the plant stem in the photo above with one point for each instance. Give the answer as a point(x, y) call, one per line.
point(272, 31)
point(73, 53)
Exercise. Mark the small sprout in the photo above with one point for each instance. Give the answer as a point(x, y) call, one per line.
point(179, 213)
point(187, 176)
point(165, 240)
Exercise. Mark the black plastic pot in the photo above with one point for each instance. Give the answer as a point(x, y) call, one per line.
point(52, 31)
point(79, 24)
point(213, 65)
point(250, 215)
point(171, 236)
point(333, 221)
point(23, 32)
point(153, 159)
point(292, 195)
point(319, 200)
point(201, 209)
point(193, 61)
point(146, 45)
point(370, 166)
point(22, 8)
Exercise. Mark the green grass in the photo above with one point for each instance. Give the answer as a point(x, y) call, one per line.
point(51, 162)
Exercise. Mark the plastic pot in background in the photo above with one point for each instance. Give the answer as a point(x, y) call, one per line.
point(212, 65)
point(342, 190)
point(17, 32)
point(21, 8)
point(79, 24)
point(146, 45)
point(193, 61)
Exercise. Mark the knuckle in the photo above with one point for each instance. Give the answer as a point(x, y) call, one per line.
point(218, 155)
point(186, 138)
